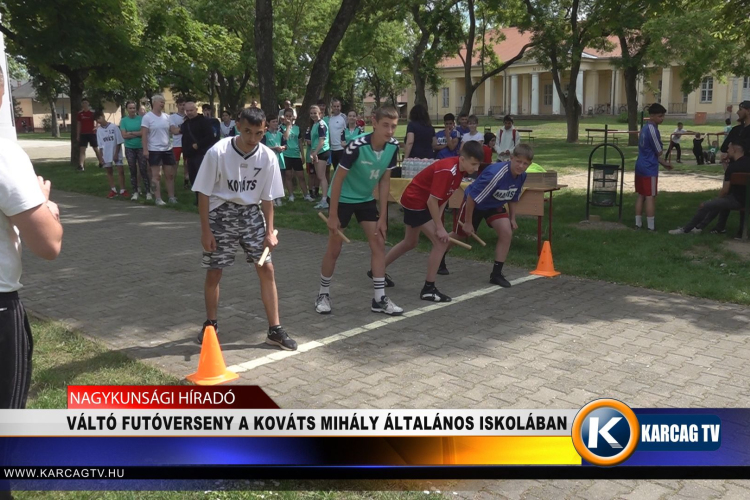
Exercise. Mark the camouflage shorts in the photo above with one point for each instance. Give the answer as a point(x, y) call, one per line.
point(235, 225)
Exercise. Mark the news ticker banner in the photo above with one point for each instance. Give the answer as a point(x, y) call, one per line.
point(208, 433)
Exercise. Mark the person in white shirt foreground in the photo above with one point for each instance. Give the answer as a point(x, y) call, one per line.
point(236, 185)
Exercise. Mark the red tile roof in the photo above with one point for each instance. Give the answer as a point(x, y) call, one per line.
point(511, 46)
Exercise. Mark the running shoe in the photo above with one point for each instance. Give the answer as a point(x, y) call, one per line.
point(388, 281)
point(385, 306)
point(279, 338)
point(323, 304)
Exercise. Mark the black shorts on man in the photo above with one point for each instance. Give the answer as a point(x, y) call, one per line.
point(416, 218)
point(88, 140)
point(365, 212)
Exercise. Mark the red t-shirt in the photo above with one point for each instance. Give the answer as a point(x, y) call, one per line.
point(361, 123)
point(440, 180)
point(487, 154)
point(86, 122)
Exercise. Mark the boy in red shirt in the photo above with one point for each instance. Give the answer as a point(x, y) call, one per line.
point(86, 134)
point(424, 200)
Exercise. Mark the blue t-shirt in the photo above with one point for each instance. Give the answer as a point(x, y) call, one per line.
point(649, 147)
point(446, 152)
point(495, 186)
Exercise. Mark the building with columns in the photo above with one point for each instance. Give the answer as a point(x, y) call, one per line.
point(526, 87)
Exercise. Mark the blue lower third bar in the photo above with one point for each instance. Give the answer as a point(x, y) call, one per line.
point(670, 432)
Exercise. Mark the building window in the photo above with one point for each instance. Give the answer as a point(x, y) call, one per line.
point(707, 89)
point(446, 97)
point(684, 98)
point(548, 94)
point(657, 95)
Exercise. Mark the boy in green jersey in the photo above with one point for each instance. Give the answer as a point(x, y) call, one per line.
point(366, 164)
point(293, 155)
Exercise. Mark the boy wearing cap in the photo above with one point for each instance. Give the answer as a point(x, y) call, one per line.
point(650, 150)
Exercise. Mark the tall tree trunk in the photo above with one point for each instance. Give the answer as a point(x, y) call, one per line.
point(76, 79)
point(573, 108)
point(53, 115)
point(264, 52)
point(468, 60)
point(631, 98)
point(322, 63)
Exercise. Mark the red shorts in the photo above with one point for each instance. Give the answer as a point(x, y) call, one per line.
point(646, 186)
point(177, 154)
point(477, 216)
point(311, 168)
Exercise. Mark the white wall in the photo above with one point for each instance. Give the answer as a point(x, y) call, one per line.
point(7, 127)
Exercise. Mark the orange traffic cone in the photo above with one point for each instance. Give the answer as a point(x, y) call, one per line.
point(211, 367)
point(545, 267)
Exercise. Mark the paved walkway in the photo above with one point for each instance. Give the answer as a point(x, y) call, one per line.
point(130, 276)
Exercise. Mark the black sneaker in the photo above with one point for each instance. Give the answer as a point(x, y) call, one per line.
point(499, 279)
point(79, 168)
point(434, 295)
point(199, 340)
point(443, 270)
point(718, 231)
point(278, 337)
point(388, 281)
point(187, 184)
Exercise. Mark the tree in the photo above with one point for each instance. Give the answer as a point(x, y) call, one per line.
point(491, 15)
point(561, 30)
point(322, 61)
point(50, 35)
point(265, 59)
point(439, 35)
point(48, 86)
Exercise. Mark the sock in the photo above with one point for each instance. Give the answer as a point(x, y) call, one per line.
point(310, 192)
point(325, 285)
point(650, 222)
point(114, 189)
point(317, 192)
point(122, 191)
point(379, 288)
point(272, 329)
point(497, 270)
point(429, 285)
point(638, 221)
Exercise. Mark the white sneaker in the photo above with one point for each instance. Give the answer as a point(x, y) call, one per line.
point(695, 230)
point(291, 198)
point(149, 197)
point(134, 197)
point(159, 202)
point(173, 201)
point(385, 306)
point(308, 198)
point(277, 202)
point(323, 304)
point(321, 204)
point(679, 230)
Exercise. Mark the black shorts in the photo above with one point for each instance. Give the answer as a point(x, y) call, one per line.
point(365, 212)
point(324, 156)
point(416, 218)
point(16, 347)
point(88, 140)
point(158, 158)
point(293, 163)
point(396, 173)
point(336, 157)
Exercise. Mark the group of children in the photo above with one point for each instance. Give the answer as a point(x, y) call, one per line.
point(241, 177)
point(732, 151)
point(449, 141)
point(701, 156)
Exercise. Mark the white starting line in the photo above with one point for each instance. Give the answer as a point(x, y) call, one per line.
point(309, 346)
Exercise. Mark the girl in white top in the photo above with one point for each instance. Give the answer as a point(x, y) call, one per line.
point(507, 139)
point(474, 134)
point(227, 125)
point(157, 148)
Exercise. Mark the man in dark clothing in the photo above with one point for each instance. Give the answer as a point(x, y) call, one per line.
point(215, 123)
point(739, 134)
point(197, 137)
point(731, 197)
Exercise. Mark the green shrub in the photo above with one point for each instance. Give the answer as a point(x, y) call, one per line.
point(622, 117)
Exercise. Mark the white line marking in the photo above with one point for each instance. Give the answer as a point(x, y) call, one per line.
point(308, 346)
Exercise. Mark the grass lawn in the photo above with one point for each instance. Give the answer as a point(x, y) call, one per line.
point(44, 136)
point(691, 265)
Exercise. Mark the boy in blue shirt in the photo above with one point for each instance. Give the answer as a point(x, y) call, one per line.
point(650, 150)
point(447, 141)
point(486, 198)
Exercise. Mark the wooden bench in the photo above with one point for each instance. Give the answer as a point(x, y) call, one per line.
point(740, 179)
point(528, 132)
point(590, 138)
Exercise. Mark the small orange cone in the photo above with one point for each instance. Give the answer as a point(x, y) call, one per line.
point(545, 267)
point(211, 367)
